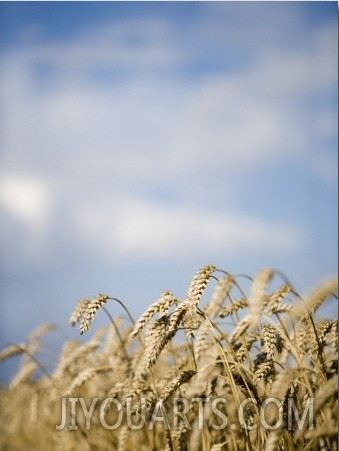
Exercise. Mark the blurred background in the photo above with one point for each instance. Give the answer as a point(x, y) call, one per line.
point(140, 141)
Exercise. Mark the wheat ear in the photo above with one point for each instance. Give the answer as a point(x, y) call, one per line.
point(23, 374)
point(220, 293)
point(272, 341)
point(198, 284)
point(257, 295)
point(325, 392)
point(240, 329)
point(157, 337)
point(274, 304)
point(84, 376)
point(41, 330)
point(78, 311)
point(12, 350)
point(233, 307)
point(123, 437)
point(89, 312)
point(185, 376)
point(161, 305)
point(304, 308)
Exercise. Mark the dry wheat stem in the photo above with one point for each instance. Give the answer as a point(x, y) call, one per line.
point(224, 358)
point(124, 307)
point(116, 329)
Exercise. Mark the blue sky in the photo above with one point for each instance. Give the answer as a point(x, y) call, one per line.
point(143, 140)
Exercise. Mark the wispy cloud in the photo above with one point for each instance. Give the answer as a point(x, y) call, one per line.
point(140, 229)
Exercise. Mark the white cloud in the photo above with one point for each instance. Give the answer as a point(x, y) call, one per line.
point(140, 229)
point(26, 198)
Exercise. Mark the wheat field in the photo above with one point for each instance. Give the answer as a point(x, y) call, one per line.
point(242, 363)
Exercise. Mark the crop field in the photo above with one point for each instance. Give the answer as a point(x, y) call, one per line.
point(242, 363)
